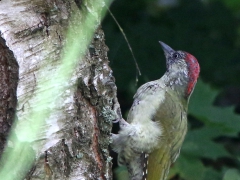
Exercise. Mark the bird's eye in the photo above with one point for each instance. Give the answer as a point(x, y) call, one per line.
point(176, 55)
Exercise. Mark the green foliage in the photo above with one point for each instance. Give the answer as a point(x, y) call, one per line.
point(234, 5)
point(232, 174)
point(213, 117)
point(201, 142)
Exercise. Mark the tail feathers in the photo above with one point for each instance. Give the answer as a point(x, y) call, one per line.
point(144, 160)
point(141, 166)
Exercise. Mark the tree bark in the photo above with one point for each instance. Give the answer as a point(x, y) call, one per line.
point(75, 137)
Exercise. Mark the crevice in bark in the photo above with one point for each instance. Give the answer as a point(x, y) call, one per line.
point(8, 88)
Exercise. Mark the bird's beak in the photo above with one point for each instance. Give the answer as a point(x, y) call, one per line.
point(167, 49)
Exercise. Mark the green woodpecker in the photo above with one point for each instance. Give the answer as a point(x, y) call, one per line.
point(151, 139)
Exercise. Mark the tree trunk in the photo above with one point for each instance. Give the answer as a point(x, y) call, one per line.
point(74, 138)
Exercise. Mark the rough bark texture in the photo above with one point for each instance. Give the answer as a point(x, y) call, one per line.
point(8, 87)
point(75, 138)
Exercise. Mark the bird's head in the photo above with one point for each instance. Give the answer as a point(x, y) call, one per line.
point(182, 66)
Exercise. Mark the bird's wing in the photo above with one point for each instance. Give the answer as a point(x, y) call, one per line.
point(150, 86)
point(146, 91)
point(159, 162)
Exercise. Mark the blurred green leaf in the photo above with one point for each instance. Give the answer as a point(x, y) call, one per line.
point(201, 106)
point(189, 168)
point(232, 174)
point(211, 174)
point(199, 143)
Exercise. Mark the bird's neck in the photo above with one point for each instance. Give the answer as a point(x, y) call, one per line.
point(179, 83)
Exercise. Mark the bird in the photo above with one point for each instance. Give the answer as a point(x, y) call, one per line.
point(151, 138)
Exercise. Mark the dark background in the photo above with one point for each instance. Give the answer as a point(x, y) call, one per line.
point(208, 29)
